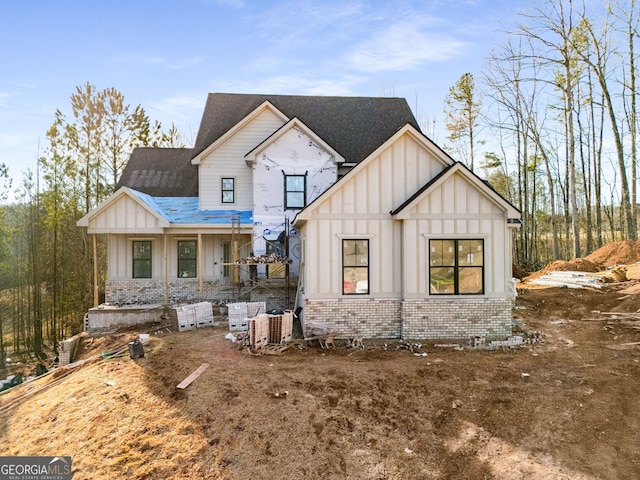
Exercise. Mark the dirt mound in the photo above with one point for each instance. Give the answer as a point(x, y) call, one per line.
point(616, 253)
point(575, 265)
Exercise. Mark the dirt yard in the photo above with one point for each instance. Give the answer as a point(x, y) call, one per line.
point(564, 408)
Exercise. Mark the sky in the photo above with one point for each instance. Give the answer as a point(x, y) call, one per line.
point(168, 55)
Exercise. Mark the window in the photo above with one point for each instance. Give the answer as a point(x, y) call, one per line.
point(141, 258)
point(228, 188)
point(187, 256)
point(456, 267)
point(295, 187)
point(355, 267)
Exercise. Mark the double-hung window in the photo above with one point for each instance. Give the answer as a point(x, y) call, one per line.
point(456, 267)
point(141, 254)
point(295, 191)
point(355, 267)
point(228, 188)
point(187, 258)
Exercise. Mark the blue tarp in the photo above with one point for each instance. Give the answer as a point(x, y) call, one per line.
point(186, 210)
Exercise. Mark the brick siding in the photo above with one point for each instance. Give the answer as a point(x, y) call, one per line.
point(355, 318)
point(432, 319)
point(456, 318)
point(125, 292)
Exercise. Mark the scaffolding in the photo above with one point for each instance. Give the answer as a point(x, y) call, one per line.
point(252, 262)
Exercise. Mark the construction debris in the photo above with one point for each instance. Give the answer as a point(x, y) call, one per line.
point(187, 381)
point(240, 314)
point(67, 349)
point(271, 258)
point(191, 316)
point(569, 279)
point(10, 381)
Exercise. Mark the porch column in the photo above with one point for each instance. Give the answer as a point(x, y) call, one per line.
point(200, 263)
point(166, 269)
point(96, 290)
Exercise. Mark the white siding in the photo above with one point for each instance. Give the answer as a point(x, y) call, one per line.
point(456, 209)
point(120, 255)
point(227, 160)
point(360, 207)
point(125, 215)
point(121, 260)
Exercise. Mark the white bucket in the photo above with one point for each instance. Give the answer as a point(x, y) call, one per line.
point(144, 338)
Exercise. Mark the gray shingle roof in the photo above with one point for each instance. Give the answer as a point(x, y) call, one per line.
point(353, 126)
point(161, 172)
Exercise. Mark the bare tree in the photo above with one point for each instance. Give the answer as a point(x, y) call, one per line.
point(597, 58)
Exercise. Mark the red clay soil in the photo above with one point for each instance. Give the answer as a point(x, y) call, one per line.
point(617, 253)
point(564, 408)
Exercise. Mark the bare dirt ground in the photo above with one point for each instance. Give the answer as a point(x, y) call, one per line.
point(377, 413)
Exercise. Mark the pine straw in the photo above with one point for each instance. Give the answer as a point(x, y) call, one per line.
point(107, 417)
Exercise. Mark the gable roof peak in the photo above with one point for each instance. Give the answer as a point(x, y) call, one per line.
point(352, 126)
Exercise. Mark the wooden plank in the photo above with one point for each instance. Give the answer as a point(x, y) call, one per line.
point(187, 381)
point(276, 349)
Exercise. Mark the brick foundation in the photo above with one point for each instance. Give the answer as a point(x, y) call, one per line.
point(432, 319)
point(355, 318)
point(436, 319)
point(273, 292)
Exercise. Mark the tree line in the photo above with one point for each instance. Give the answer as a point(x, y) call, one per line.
point(45, 259)
point(555, 111)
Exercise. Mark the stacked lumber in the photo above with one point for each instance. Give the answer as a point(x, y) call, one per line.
point(569, 279)
point(260, 259)
point(259, 331)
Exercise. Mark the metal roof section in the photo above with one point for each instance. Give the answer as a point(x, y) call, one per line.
point(162, 172)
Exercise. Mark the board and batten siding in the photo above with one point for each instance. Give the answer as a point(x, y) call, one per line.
point(120, 263)
point(227, 160)
point(359, 206)
point(120, 255)
point(386, 181)
point(125, 215)
point(456, 209)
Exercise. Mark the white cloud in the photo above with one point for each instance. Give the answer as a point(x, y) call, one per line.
point(184, 110)
point(299, 85)
point(304, 15)
point(292, 23)
point(405, 45)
